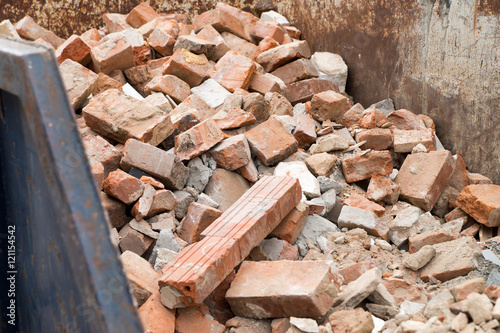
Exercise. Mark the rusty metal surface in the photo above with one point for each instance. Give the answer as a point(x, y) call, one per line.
point(438, 57)
point(68, 277)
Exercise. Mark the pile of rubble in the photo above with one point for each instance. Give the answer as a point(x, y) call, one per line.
point(248, 193)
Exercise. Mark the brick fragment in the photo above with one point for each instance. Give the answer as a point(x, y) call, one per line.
point(372, 119)
point(8, 29)
point(297, 70)
point(99, 150)
point(273, 292)
point(142, 54)
point(123, 186)
point(383, 189)
point(121, 117)
point(403, 290)
point(354, 217)
point(78, 81)
point(164, 23)
point(193, 320)
point(141, 14)
point(197, 139)
point(359, 201)
point(237, 18)
point(141, 208)
point(354, 271)
point(454, 258)
point(423, 177)
point(232, 153)
point(189, 67)
point(90, 36)
point(406, 140)
point(116, 210)
point(226, 187)
point(73, 48)
point(234, 118)
point(264, 83)
point(141, 275)
point(328, 105)
point(240, 45)
point(194, 44)
point(115, 22)
point(406, 120)
point(280, 55)
point(198, 218)
point(482, 202)
point(202, 266)
point(164, 200)
point(376, 138)
point(234, 71)
point(356, 320)
point(266, 44)
point(262, 29)
point(165, 166)
point(464, 289)
point(321, 164)
point(303, 91)
point(170, 85)
point(279, 105)
point(290, 227)
point(161, 42)
point(271, 152)
point(29, 29)
point(476, 179)
point(257, 105)
point(155, 317)
point(114, 53)
point(361, 166)
point(105, 82)
point(212, 36)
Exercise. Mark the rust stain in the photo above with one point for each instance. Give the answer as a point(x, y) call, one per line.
point(489, 7)
point(475, 14)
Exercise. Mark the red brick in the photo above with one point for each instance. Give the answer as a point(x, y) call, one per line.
point(202, 266)
point(271, 152)
point(376, 138)
point(464, 289)
point(211, 35)
point(198, 218)
point(166, 24)
point(99, 150)
point(78, 81)
point(406, 140)
point(161, 42)
point(105, 82)
point(123, 186)
point(262, 29)
point(266, 44)
point(97, 170)
point(302, 91)
point(240, 45)
point(354, 271)
point(359, 201)
point(197, 139)
point(406, 120)
point(142, 54)
point(222, 20)
point(296, 70)
point(73, 48)
point(256, 104)
point(482, 202)
point(165, 166)
point(91, 36)
point(452, 259)
point(164, 200)
point(291, 226)
point(234, 118)
point(141, 275)
point(305, 130)
point(264, 83)
point(428, 238)
point(226, 187)
point(192, 320)
point(133, 241)
point(278, 104)
point(155, 318)
point(29, 29)
point(115, 22)
point(234, 71)
point(122, 117)
point(357, 167)
point(372, 119)
point(249, 172)
point(273, 292)
point(141, 14)
point(189, 67)
point(232, 153)
point(477, 179)
point(231, 15)
point(423, 177)
point(383, 189)
point(280, 55)
point(169, 85)
point(328, 105)
point(403, 290)
point(141, 208)
point(216, 301)
point(114, 53)
point(116, 210)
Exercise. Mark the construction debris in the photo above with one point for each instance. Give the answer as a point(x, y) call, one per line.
point(243, 184)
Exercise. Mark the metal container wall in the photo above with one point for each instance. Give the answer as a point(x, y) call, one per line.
point(64, 273)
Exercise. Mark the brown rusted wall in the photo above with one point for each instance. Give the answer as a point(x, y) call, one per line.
point(438, 57)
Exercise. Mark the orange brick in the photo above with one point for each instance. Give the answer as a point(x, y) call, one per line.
point(73, 48)
point(123, 186)
point(198, 218)
point(114, 53)
point(482, 202)
point(290, 227)
point(189, 67)
point(304, 90)
point(406, 120)
point(197, 139)
point(161, 42)
point(115, 22)
point(296, 70)
point(29, 29)
point(155, 317)
point(280, 55)
point(240, 45)
point(328, 105)
point(234, 71)
point(141, 14)
point(357, 167)
point(376, 138)
point(262, 29)
point(356, 200)
point(193, 320)
point(170, 85)
point(227, 241)
point(372, 119)
point(234, 118)
point(353, 272)
point(143, 278)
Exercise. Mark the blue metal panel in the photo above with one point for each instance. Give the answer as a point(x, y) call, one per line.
point(69, 277)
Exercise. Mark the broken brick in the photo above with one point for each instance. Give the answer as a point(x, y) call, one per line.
point(354, 271)
point(163, 165)
point(78, 81)
point(232, 153)
point(116, 210)
point(359, 201)
point(141, 275)
point(193, 320)
point(141, 208)
point(262, 29)
point(406, 120)
point(354, 217)
point(406, 140)
point(155, 318)
point(264, 83)
point(234, 71)
point(114, 53)
point(164, 200)
point(273, 151)
point(302, 91)
point(105, 82)
point(327, 105)
point(141, 14)
point(211, 35)
point(115, 22)
point(234, 118)
point(169, 85)
point(361, 166)
point(197, 139)
point(226, 187)
point(290, 227)
point(189, 67)
point(198, 218)
point(321, 164)
point(423, 177)
point(273, 292)
point(240, 45)
point(383, 189)
point(123, 186)
point(376, 138)
point(73, 48)
point(161, 42)
point(482, 202)
point(99, 150)
point(280, 55)
point(295, 71)
point(372, 119)
point(29, 29)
